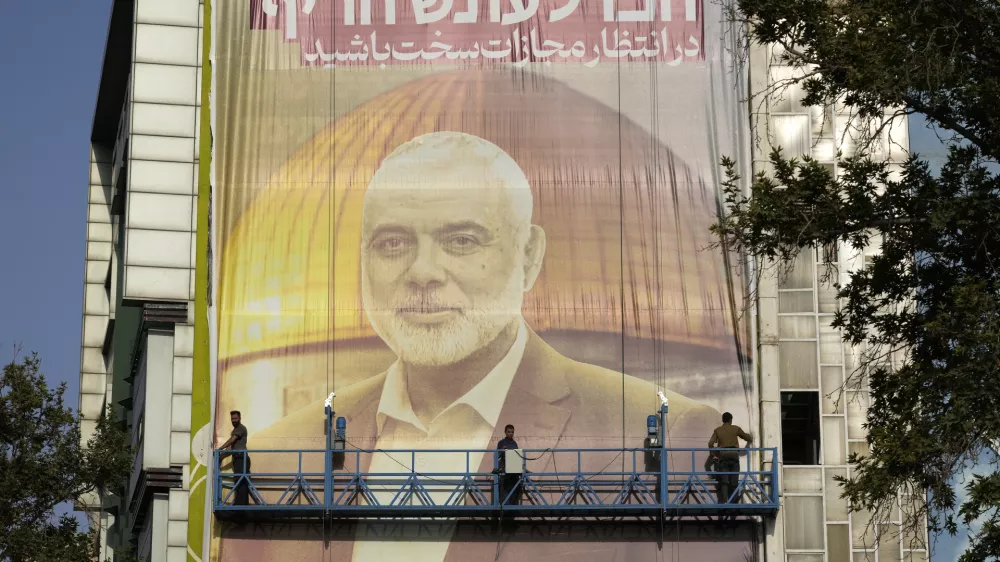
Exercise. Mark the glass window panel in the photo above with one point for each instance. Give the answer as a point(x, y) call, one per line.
point(828, 253)
point(786, 96)
point(827, 296)
point(800, 274)
point(791, 134)
point(821, 117)
point(831, 345)
point(824, 150)
point(893, 513)
point(797, 364)
point(852, 354)
point(915, 557)
point(831, 169)
point(778, 54)
point(888, 544)
point(797, 327)
point(838, 543)
point(862, 532)
point(914, 537)
point(910, 503)
point(846, 134)
point(857, 413)
point(832, 384)
point(859, 448)
point(877, 148)
point(836, 507)
point(797, 479)
point(763, 166)
point(897, 139)
point(898, 357)
point(804, 523)
point(863, 556)
point(795, 301)
point(834, 444)
point(805, 558)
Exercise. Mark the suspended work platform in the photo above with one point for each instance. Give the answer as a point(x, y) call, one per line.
point(538, 483)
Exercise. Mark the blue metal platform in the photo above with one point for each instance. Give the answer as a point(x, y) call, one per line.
point(554, 483)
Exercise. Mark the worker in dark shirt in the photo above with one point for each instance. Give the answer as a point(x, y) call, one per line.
point(508, 482)
point(727, 436)
point(241, 460)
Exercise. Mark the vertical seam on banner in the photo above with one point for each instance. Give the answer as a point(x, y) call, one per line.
point(621, 237)
point(200, 518)
point(656, 319)
point(331, 375)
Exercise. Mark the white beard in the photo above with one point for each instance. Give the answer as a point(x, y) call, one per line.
point(452, 341)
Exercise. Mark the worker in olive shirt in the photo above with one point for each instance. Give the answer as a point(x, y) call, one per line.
point(727, 436)
point(507, 481)
point(241, 460)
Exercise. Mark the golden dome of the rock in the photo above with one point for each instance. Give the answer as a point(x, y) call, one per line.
point(626, 222)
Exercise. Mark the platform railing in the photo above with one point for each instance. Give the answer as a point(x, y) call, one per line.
point(455, 483)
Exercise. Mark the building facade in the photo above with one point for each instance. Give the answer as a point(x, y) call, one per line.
point(808, 409)
point(140, 313)
point(137, 343)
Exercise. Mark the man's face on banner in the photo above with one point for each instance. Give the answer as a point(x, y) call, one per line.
point(443, 254)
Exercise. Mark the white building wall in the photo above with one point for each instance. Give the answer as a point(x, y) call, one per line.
point(164, 533)
point(159, 511)
point(159, 359)
point(800, 351)
point(161, 219)
point(161, 209)
point(96, 299)
point(180, 439)
point(160, 121)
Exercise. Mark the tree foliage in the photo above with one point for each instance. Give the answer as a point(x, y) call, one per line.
point(926, 310)
point(43, 465)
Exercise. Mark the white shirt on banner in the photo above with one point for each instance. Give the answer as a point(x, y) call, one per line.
point(468, 423)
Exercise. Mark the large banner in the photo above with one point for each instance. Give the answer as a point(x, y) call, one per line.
point(463, 214)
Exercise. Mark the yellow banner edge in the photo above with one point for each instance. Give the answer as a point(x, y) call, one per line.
point(201, 407)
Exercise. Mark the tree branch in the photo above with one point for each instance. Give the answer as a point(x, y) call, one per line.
point(952, 124)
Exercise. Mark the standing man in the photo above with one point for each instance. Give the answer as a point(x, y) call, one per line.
point(727, 436)
point(507, 481)
point(241, 460)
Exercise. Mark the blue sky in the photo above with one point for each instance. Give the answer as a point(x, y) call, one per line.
point(48, 103)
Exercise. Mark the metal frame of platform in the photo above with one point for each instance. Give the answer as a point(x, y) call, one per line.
point(447, 483)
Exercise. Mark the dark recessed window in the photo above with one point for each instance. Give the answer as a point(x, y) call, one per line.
point(800, 443)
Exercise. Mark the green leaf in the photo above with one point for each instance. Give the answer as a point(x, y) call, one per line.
point(43, 465)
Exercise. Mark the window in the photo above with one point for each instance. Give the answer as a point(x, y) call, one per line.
point(828, 253)
point(800, 443)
